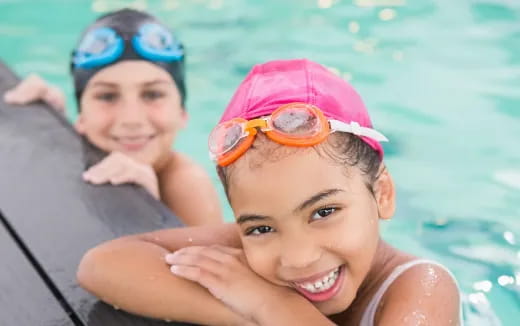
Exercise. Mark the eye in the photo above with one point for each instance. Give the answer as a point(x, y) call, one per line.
point(151, 95)
point(323, 212)
point(259, 230)
point(107, 97)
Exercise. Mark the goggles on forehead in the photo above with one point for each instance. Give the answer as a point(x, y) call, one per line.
point(102, 46)
point(293, 124)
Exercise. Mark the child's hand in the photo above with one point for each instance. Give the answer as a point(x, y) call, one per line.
point(117, 168)
point(227, 276)
point(33, 89)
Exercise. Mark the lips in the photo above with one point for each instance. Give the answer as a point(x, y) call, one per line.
point(321, 287)
point(134, 142)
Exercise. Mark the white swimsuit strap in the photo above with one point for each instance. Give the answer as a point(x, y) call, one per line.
point(370, 312)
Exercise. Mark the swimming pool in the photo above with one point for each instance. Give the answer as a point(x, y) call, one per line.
point(441, 78)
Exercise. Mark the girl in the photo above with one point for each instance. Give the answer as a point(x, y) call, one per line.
point(128, 72)
point(303, 171)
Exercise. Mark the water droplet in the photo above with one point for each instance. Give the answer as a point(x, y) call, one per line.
point(156, 238)
point(168, 320)
point(510, 237)
point(430, 280)
point(478, 299)
point(190, 240)
point(505, 280)
point(387, 14)
point(325, 4)
point(484, 286)
point(353, 27)
point(416, 318)
point(116, 307)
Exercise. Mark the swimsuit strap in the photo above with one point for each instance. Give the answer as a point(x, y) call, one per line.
point(370, 312)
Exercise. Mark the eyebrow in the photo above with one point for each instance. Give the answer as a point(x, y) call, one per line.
point(157, 81)
point(104, 84)
point(115, 85)
point(309, 202)
point(251, 218)
point(316, 198)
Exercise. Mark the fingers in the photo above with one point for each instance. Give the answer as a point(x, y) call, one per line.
point(101, 172)
point(55, 98)
point(34, 88)
point(28, 90)
point(118, 168)
point(208, 266)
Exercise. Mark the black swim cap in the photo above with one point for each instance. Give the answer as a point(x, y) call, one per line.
point(126, 23)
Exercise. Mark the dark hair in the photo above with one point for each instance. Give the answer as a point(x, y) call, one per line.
point(342, 148)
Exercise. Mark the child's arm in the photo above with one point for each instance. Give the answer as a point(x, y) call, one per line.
point(225, 273)
point(425, 294)
point(33, 89)
point(188, 191)
point(131, 273)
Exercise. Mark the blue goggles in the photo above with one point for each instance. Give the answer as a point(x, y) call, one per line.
point(104, 45)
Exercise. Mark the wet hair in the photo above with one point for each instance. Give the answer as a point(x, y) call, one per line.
point(344, 149)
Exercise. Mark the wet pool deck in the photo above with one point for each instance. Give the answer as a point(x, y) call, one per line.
point(49, 218)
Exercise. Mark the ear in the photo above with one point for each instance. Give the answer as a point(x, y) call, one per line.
point(184, 119)
point(79, 125)
point(384, 190)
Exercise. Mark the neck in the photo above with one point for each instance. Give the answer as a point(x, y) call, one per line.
point(382, 265)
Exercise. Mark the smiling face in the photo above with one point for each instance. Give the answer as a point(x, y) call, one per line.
point(132, 107)
point(309, 223)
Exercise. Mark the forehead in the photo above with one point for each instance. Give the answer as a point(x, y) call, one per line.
point(130, 72)
point(258, 183)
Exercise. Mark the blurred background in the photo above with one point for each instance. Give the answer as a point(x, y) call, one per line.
point(440, 77)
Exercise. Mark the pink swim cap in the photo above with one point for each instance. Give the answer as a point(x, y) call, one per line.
point(275, 83)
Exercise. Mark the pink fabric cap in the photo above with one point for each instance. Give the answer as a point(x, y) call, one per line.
point(279, 82)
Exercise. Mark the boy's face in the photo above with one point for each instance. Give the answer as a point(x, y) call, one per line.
point(306, 223)
point(132, 107)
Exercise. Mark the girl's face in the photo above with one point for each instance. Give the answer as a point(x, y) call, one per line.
point(309, 224)
point(133, 107)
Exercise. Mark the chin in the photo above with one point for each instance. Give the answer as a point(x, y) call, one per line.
point(334, 306)
point(331, 308)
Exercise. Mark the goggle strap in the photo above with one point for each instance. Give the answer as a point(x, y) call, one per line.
point(354, 128)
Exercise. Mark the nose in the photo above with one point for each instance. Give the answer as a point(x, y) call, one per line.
point(298, 250)
point(132, 115)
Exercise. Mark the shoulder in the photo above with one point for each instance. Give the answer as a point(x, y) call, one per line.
point(188, 190)
point(426, 292)
point(181, 166)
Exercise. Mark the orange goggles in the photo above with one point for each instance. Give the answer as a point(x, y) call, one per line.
point(293, 124)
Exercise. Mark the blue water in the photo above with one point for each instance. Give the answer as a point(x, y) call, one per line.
point(441, 78)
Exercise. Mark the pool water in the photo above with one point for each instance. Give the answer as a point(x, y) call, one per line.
point(441, 78)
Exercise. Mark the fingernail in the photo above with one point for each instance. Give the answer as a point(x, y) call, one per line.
point(169, 258)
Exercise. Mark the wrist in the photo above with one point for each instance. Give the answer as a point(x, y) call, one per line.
point(273, 304)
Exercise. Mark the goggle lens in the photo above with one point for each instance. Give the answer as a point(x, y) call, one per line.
point(296, 122)
point(225, 137)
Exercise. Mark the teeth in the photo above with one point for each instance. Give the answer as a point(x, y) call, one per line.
point(321, 285)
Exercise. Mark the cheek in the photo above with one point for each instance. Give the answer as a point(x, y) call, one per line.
point(354, 237)
point(261, 260)
point(165, 119)
point(97, 121)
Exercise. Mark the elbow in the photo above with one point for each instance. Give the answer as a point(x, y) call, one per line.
point(86, 273)
point(92, 274)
